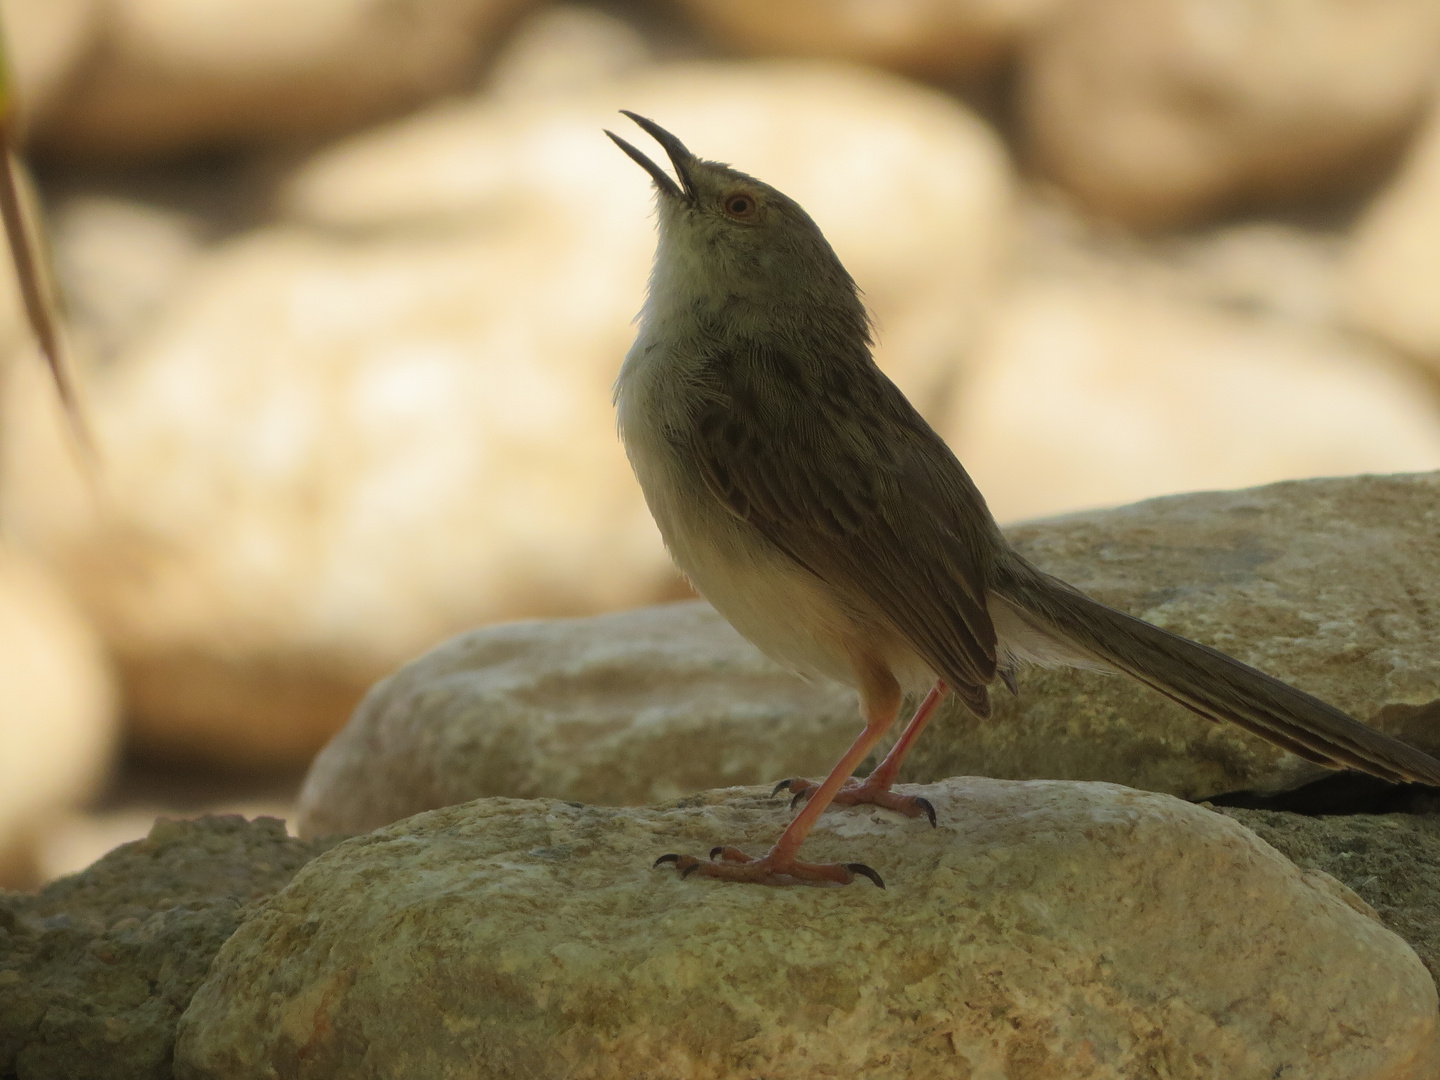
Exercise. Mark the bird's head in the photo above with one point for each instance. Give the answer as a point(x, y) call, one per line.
point(729, 240)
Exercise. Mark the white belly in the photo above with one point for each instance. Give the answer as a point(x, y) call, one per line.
point(762, 593)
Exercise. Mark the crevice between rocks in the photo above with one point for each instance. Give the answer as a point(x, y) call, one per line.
point(1344, 793)
point(1355, 793)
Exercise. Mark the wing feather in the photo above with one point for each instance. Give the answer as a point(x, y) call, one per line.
point(854, 486)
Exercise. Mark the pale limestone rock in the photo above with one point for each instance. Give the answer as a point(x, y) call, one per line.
point(118, 262)
point(1043, 930)
point(1266, 267)
point(1391, 860)
point(328, 456)
point(616, 710)
point(1327, 584)
point(930, 37)
point(167, 75)
point(1393, 276)
point(565, 49)
point(911, 189)
point(1090, 392)
point(45, 41)
point(1285, 271)
point(58, 710)
point(1163, 111)
point(350, 437)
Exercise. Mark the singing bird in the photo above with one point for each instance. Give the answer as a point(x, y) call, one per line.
point(810, 503)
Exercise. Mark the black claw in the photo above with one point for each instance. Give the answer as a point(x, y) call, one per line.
point(715, 851)
point(689, 870)
point(781, 786)
point(861, 868)
point(798, 798)
point(924, 804)
point(672, 857)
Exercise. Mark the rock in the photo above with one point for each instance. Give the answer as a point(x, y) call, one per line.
point(566, 49)
point(1392, 861)
point(45, 41)
point(173, 75)
point(1286, 272)
point(383, 444)
point(1043, 930)
point(118, 262)
point(1159, 112)
point(352, 436)
point(58, 710)
point(615, 710)
point(1393, 275)
point(1267, 267)
point(910, 188)
point(1092, 393)
point(963, 37)
point(1327, 584)
point(96, 969)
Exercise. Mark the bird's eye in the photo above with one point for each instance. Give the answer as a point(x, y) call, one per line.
point(739, 205)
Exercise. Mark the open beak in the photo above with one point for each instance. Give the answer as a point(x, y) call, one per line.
point(679, 157)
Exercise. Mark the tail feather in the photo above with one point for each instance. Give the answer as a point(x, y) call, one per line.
point(1217, 686)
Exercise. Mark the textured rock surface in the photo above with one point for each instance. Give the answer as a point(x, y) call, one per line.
point(1093, 393)
point(1394, 271)
point(1043, 930)
point(1392, 861)
point(348, 439)
point(1328, 584)
point(957, 37)
point(58, 709)
point(615, 710)
point(168, 75)
point(1159, 111)
point(96, 969)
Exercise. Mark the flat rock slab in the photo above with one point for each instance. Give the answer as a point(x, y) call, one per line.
point(96, 969)
point(1044, 930)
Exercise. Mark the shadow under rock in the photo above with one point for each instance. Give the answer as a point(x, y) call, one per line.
point(1340, 793)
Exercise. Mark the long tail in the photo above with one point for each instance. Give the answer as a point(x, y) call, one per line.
point(1212, 684)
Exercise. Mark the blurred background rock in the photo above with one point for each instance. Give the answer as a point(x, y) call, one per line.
point(348, 282)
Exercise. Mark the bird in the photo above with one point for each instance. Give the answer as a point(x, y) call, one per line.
point(809, 502)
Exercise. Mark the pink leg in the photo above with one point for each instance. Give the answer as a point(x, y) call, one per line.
point(880, 699)
point(875, 788)
point(885, 773)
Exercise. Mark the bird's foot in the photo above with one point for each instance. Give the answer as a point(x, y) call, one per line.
point(858, 792)
point(732, 864)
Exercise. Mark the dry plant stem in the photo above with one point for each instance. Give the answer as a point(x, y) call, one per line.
point(37, 307)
